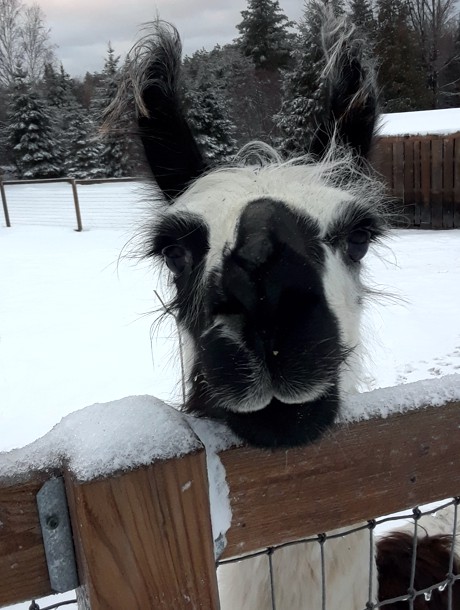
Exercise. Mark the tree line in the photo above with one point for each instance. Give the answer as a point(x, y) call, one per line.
point(265, 85)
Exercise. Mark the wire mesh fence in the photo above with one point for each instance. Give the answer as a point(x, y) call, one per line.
point(416, 590)
point(79, 204)
point(412, 585)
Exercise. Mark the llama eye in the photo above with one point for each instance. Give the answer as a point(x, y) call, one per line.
point(358, 244)
point(177, 258)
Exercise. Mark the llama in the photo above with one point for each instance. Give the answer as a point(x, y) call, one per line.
point(265, 268)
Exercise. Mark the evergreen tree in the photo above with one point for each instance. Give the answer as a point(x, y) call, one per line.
point(30, 133)
point(264, 35)
point(115, 155)
point(213, 130)
point(207, 105)
point(303, 91)
point(400, 75)
point(83, 158)
point(362, 16)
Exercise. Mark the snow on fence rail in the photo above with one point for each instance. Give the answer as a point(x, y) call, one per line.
point(83, 204)
point(149, 490)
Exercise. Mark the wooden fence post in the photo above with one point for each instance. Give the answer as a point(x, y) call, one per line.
point(76, 204)
point(144, 539)
point(5, 206)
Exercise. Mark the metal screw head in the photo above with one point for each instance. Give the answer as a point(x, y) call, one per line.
point(52, 522)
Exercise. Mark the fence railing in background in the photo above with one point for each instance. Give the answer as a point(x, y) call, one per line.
point(423, 172)
point(65, 201)
point(143, 538)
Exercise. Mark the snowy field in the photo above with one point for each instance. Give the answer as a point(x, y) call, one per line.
point(77, 321)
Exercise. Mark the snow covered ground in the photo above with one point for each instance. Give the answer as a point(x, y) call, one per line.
point(77, 321)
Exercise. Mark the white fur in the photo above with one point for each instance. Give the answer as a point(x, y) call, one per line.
point(297, 577)
point(219, 199)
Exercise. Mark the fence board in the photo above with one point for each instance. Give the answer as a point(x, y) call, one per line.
point(436, 183)
point(425, 163)
point(448, 184)
point(144, 538)
point(417, 184)
point(356, 473)
point(398, 169)
point(457, 182)
point(408, 173)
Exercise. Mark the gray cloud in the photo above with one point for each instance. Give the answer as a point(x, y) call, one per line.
point(83, 28)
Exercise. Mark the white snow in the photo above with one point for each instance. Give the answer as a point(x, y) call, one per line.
point(216, 437)
point(76, 329)
point(400, 399)
point(424, 122)
point(105, 439)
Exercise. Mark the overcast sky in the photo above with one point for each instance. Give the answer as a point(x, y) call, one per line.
point(83, 28)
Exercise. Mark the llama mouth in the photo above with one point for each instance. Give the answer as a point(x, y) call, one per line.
point(284, 426)
point(238, 379)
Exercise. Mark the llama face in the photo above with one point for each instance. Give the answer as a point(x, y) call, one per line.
point(265, 266)
point(264, 261)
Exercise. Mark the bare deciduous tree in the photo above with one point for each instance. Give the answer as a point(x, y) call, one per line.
point(35, 39)
point(24, 40)
point(431, 19)
point(10, 36)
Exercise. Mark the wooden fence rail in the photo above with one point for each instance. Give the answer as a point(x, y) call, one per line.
point(143, 538)
point(423, 172)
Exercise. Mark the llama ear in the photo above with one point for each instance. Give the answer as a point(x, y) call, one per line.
point(351, 92)
point(152, 81)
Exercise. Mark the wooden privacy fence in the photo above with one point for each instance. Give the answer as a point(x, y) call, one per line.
point(423, 172)
point(143, 538)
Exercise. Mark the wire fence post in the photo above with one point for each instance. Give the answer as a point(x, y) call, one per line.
point(77, 204)
point(4, 204)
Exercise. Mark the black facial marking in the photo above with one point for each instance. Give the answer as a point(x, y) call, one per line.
point(266, 328)
point(182, 243)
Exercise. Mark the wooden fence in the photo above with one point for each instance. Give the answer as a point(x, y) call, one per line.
point(142, 542)
point(423, 172)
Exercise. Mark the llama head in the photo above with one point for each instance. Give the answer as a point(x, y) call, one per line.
point(264, 261)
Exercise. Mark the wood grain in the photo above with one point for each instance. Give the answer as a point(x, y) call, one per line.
point(144, 538)
point(23, 570)
point(356, 473)
point(409, 171)
point(436, 182)
point(448, 184)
